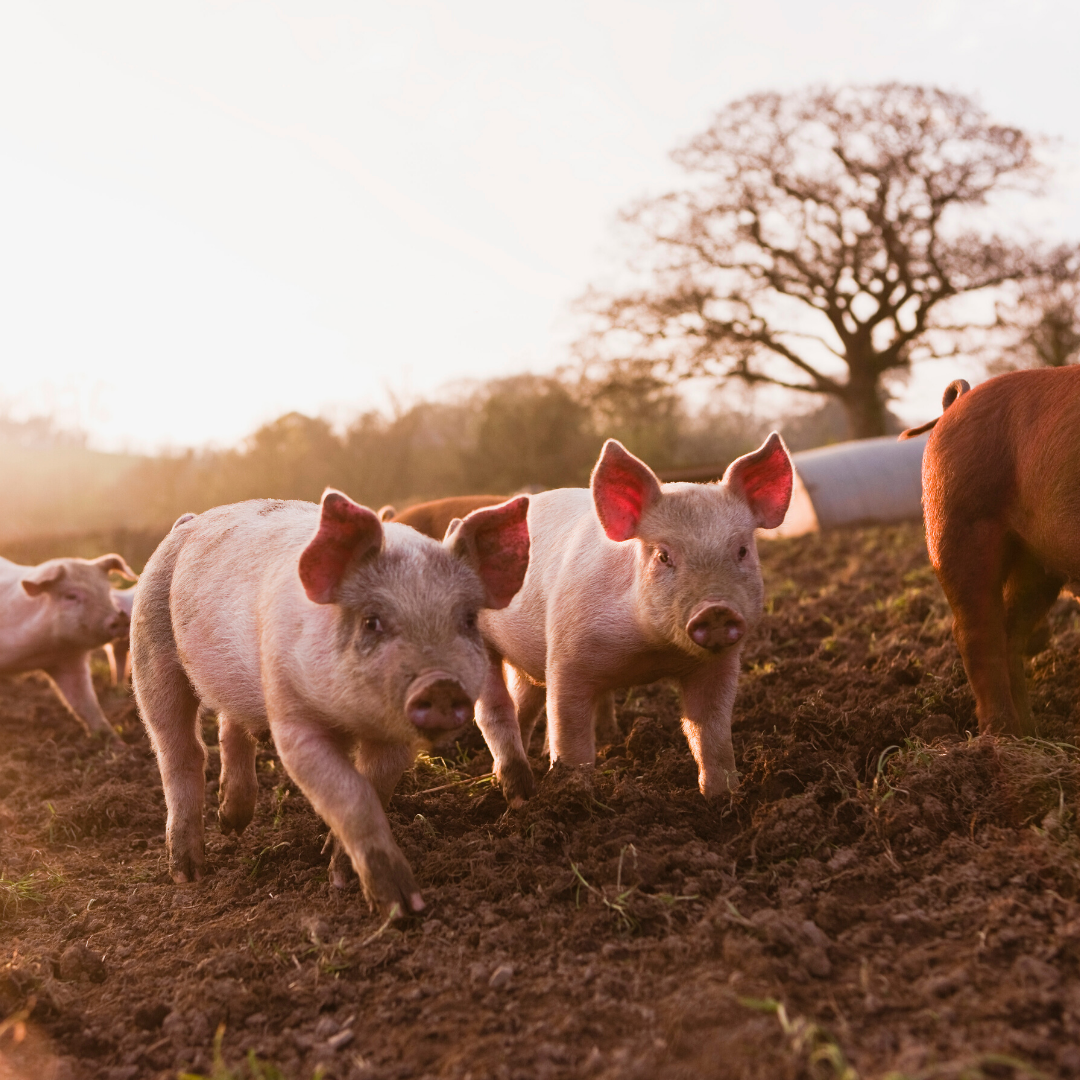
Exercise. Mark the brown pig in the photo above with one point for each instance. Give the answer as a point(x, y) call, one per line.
point(433, 518)
point(355, 643)
point(52, 616)
point(1001, 495)
point(631, 581)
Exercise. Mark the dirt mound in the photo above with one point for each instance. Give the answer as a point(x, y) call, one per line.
point(885, 895)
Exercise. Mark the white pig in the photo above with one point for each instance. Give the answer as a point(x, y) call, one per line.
point(52, 616)
point(630, 582)
point(355, 643)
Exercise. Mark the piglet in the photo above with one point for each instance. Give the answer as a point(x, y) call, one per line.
point(117, 651)
point(630, 582)
point(52, 616)
point(355, 643)
point(1001, 497)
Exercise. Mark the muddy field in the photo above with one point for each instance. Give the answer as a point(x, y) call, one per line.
point(886, 895)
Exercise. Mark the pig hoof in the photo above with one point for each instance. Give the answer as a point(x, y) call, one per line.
point(518, 783)
point(389, 884)
point(726, 784)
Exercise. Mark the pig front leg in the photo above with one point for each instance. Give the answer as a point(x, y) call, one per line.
point(497, 718)
point(572, 706)
point(318, 760)
point(708, 696)
point(382, 764)
point(76, 689)
point(239, 787)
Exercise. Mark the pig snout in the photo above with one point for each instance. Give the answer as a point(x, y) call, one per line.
point(716, 626)
point(119, 624)
point(437, 703)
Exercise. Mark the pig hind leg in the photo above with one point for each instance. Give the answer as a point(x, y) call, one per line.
point(604, 724)
point(239, 788)
point(972, 564)
point(528, 701)
point(496, 716)
point(169, 709)
point(1030, 590)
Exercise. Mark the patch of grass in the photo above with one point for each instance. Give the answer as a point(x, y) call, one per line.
point(254, 1068)
point(16, 893)
point(824, 1058)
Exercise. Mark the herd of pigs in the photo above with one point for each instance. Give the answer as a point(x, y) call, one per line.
point(358, 639)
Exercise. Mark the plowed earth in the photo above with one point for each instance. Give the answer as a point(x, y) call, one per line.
point(885, 895)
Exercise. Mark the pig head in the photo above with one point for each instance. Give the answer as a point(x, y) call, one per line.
point(52, 616)
point(355, 643)
point(629, 582)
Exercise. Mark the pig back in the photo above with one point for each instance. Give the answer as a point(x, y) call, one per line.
point(233, 577)
point(576, 574)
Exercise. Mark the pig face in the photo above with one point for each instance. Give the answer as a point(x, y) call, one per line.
point(698, 576)
point(408, 655)
point(82, 610)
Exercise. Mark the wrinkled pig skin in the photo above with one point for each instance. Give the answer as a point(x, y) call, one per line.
point(52, 616)
point(631, 581)
point(354, 643)
point(434, 518)
point(1001, 497)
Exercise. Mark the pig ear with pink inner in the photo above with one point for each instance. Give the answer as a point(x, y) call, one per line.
point(495, 542)
point(623, 488)
point(346, 530)
point(43, 577)
point(764, 480)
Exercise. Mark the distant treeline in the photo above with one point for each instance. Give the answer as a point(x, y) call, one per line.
point(507, 434)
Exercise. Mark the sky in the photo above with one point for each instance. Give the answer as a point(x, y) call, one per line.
point(212, 213)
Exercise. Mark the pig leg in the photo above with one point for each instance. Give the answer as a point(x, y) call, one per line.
point(708, 695)
point(382, 764)
point(348, 802)
point(76, 689)
point(1029, 593)
point(571, 707)
point(606, 729)
point(170, 709)
point(971, 565)
point(528, 700)
point(239, 787)
point(497, 719)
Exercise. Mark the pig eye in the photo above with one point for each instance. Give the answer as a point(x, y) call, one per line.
point(663, 556)
point(71, 596)
point(743, 552)
point(373, 624)
point(470, 621)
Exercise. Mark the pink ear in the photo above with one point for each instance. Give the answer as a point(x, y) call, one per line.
point(114, 564)
point(43, 577)
point(345, 529)
point(495, 540)
point(623, 488)
point(764, 480)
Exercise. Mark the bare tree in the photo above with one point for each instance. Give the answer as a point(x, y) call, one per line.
point(819, 242)
point(1045, 318)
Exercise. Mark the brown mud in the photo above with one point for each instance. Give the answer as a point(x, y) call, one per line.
point(886, 894)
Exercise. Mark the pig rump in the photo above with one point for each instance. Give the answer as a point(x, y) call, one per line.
point(1001, 496)
point(355, 643)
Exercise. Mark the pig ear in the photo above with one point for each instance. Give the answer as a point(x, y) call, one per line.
point(345, 529)
point(43, 577)
point(387, 513)
point(114, 564)
point(495, 542)
point(623, 488)
point(764, 480)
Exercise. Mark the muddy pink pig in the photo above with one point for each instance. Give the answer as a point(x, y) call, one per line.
point(52, 616)
point(630, 582)
point(355, 643)
point(1001, 496)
